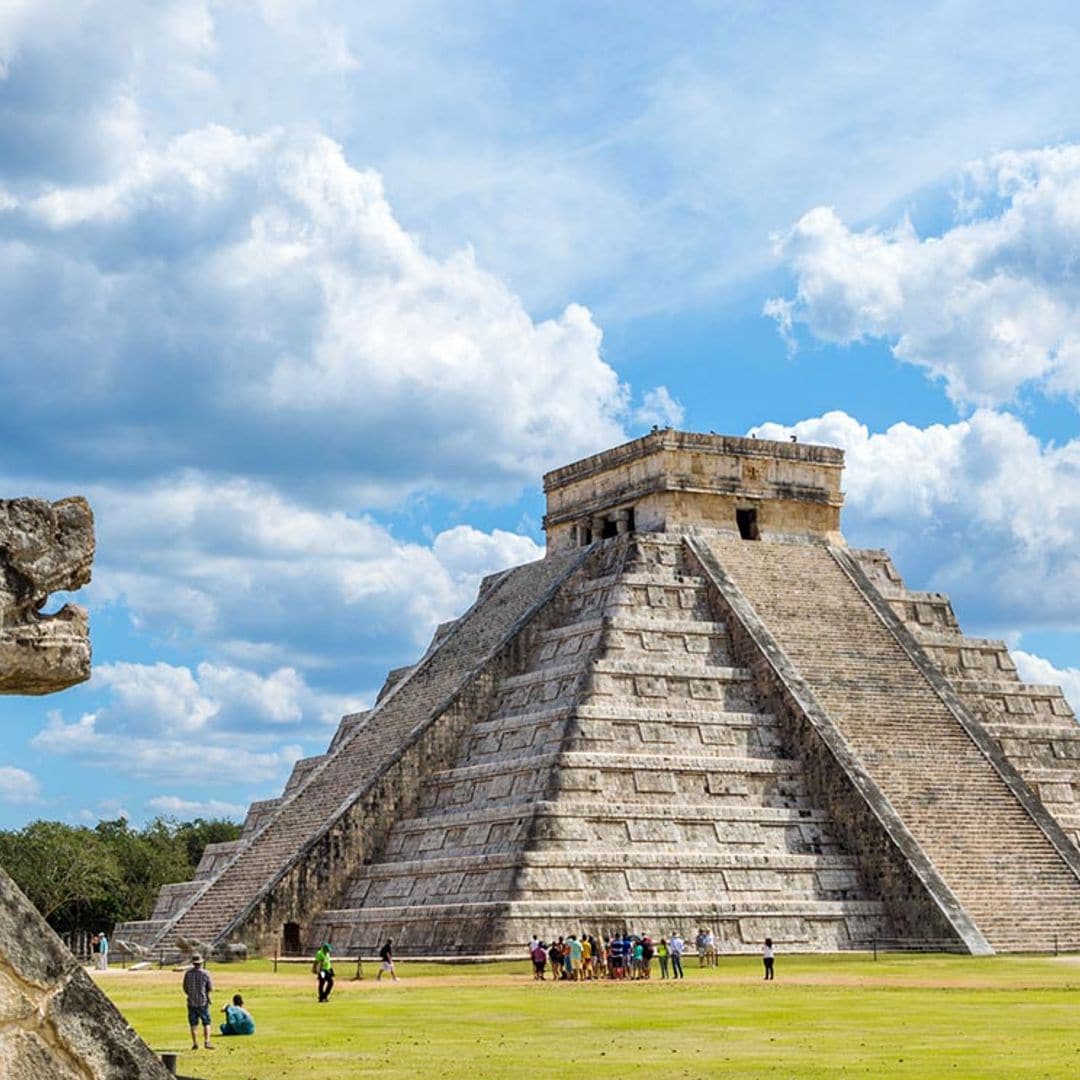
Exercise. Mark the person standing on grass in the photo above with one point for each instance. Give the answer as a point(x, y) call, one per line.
point(386, 955)
point(662, 956)
point(323, 967)
point(586, 957)
point(647, 950)
point(103, 952)
point(539, 961)
point(599, 949)
point(197, 987)
point(769, 958)
point(676, 946)
point(576, 958)
point(555, 959)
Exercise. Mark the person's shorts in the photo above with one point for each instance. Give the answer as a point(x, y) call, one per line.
point(575, 965)
point(198, 1014)
point(388, 965)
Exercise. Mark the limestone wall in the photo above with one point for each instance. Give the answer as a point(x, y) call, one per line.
point(673, 479)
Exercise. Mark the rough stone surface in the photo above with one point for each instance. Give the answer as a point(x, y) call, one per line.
point(44, 548)
point(699, 710)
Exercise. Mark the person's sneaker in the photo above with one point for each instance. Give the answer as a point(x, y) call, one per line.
point(210, 1046)
point(194, 1046)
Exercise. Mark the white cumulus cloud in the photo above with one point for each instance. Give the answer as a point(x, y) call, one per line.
point(177, 806)
point(1034, 669)
point(18, 786)
point(978, 508)
point(250, 305)
point(990, 306)
point(207, 758)
point(660, 408)
point(248, 570)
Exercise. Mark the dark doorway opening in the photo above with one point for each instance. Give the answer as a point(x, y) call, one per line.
point(609, 529)
point(747, 522)
point(586, 537)
point(290, 939)
point(630, 520)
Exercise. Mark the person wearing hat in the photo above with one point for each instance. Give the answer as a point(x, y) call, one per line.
point(198, 986)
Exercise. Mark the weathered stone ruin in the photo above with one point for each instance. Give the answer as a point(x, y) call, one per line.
point(54, 1022)
point(701, 708)
point(44, 548)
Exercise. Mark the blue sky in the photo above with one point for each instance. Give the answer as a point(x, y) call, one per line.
point(305, 299)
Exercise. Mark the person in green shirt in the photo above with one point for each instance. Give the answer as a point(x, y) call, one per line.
point(662, 956)
point(324, 968)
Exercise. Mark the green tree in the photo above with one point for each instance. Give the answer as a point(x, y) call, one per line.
point(65, 870)
point(91, 879)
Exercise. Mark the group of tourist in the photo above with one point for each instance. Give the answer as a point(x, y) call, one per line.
point(576, 958)
point(621, 956)
point(579, 958)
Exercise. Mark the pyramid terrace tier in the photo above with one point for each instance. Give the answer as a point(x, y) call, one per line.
point(749, 877)
point(605, 725)
point(621, 776)
point(502, 929)
point(566, 824)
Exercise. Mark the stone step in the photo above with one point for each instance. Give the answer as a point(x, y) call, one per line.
point(681, 667)
point(689, 862)
point(643, 763)
point(608, 810)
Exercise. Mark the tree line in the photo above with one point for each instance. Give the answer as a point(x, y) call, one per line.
point(83, 878)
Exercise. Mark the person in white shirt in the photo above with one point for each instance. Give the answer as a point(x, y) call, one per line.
point(676, 946)
point(768, 956)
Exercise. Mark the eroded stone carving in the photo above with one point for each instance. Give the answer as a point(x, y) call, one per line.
point(44, 548)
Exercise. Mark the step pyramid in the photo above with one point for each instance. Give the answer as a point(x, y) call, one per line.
point(700, 709)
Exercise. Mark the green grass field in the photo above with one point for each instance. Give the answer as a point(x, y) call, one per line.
point(823, 1017)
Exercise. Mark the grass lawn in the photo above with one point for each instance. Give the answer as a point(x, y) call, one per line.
point(824, 1016)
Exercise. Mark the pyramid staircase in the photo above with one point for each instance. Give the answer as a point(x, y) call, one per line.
point(1003, 858)
point(1033, 725)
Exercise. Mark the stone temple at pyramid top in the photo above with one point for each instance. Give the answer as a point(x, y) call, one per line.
point(672, 481)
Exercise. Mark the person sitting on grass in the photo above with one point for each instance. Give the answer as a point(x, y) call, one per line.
point(238, 1020)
